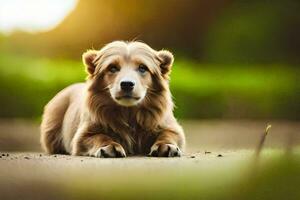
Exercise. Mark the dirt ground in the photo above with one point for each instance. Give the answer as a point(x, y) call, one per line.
point(217, 158)
point(201, 135)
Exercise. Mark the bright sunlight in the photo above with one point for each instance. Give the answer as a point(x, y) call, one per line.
point(33, 15)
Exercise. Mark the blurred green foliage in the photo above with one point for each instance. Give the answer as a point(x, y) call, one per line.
point(277, 177)
point(223, 31)
point(255, 32)
point(200, 91)
point(250, 51)
point(27, 84)
point(233, 91)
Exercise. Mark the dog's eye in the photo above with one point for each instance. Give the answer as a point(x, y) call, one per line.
point(143, 68)
point(113, 68)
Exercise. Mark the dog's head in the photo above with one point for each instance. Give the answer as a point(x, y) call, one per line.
point(129, 71)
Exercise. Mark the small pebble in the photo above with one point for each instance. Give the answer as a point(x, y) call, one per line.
point(206, 152)
point(220, 155)
point(193, 157)
point(3, 154)
point(7, 154)
point(27, 158)
point(55, 156)
point(0, 156)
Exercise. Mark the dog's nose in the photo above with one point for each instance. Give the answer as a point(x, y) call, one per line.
point(127, 86)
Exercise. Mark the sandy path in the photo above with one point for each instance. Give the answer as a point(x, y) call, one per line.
point(31, 174)
point(20, 135)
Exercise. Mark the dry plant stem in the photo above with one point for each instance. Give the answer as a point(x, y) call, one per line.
point(262, 140)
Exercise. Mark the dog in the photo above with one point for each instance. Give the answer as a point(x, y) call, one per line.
point(124, 108)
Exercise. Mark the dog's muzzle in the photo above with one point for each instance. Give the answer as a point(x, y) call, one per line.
point(127, 86)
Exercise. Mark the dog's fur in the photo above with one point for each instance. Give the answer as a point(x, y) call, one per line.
point(89, 119)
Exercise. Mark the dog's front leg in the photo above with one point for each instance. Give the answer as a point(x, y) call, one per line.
point(96, 145)
point(167, 144)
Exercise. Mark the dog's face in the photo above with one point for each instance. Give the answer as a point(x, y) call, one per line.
point(128, 70)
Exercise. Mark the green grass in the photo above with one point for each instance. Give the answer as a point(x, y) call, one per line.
point(27, 84)
point(255, 91)
point(199, 90)
point(241, 79)
point(235, 176)
point(275, 179)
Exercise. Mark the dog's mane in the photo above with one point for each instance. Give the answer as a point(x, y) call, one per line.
point(149, 115)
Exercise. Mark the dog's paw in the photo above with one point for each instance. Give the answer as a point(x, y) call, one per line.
point(165, 150)
point(113, 150)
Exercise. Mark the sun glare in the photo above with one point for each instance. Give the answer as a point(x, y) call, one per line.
point(33, 15)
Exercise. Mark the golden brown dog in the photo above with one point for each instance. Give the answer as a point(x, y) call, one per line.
point(124, 108)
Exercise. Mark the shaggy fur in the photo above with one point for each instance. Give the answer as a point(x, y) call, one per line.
point(87, 118)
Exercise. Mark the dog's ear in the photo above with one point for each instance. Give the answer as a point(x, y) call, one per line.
point(88, 59)
point(166, 58)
